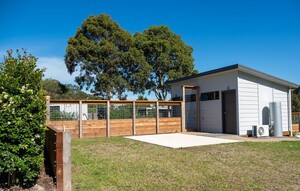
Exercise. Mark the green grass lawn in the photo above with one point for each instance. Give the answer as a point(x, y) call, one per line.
point(122, 164)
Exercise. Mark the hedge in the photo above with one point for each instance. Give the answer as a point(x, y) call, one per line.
point(22, 119)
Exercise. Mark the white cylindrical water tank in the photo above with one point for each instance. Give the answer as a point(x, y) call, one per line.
point(276, 118)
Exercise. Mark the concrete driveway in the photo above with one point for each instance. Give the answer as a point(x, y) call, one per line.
point(180, 140)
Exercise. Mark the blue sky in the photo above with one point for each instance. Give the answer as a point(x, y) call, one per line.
point(261, 34)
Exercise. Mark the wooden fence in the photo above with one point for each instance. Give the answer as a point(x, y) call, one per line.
point(58, 153)
point(296, 121)
point(102, 118)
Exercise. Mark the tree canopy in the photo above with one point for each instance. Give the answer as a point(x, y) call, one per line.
point(296, 100)
point(58, 90)
point(102, 51)
point(111, 61)
point(141, 97)
point(169, 57)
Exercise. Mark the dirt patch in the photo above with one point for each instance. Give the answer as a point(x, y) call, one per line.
point(43, 183)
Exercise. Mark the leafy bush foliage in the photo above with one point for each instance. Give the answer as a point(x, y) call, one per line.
point(121, 112)
point(22, 118)
point(62, 115)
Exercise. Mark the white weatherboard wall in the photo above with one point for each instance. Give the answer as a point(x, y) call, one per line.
point(254, 91)
point(190, 107)
point(254, 96)
point(191, 114)
point(210, 111)
point(281, 95)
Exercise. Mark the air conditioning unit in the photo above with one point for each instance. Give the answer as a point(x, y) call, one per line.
point(260, 131)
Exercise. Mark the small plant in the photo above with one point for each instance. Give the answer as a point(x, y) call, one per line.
point(22, 117)
point(295, 133)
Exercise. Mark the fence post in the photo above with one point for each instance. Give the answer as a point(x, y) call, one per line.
point(133, 119)
point(183, 128)
point(48, 107)
point(58, 151)
point(59, 147)
point(67, 161)
point(157, 117)
point(108, 119)
point(80, 119)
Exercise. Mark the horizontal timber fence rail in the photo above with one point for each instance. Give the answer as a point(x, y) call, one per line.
point(58, 153)
point(103, 118)
point(296, 121)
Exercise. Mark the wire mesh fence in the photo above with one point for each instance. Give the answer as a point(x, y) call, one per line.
point(62, 112)
point(118, 110)
point(121, 111)
point(96, 111)
point(169, 111)
point(91, 118)
point(145, 110)
point(296, 118)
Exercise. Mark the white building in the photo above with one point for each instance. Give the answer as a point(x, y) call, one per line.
point(232, 99)
point(68, 111)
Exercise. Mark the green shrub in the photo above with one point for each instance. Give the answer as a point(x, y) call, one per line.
point(121, 112)
point(22, 118)
point(62, 115)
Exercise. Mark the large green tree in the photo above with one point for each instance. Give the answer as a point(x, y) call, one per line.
point(169, 57)
point(111, 61)
point(102, 52)
point(296, 100)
